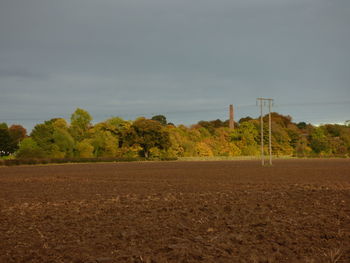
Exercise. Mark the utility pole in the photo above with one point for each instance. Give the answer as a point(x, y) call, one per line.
point(270, 146)
point(231, 121)
point(262, 102)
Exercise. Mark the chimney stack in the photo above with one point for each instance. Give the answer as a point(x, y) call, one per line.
point(231, 122)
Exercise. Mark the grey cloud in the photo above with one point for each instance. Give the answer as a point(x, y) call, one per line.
point(135, 56)
point(21, 73)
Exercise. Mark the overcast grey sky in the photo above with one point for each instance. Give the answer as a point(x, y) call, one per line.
point(186, 59)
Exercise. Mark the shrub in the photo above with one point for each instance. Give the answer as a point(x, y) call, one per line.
point(33, 161)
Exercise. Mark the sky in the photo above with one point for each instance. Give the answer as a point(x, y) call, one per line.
point(185, 59)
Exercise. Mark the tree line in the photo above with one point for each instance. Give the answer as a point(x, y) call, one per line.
point(156, 138)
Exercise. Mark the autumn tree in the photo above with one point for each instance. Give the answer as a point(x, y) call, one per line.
point(148, 134)
point(302, 125)
point(62, 138)
point(176, 148)
point(104, 140)
point(85, 149)
point(53, 138)
point(338, 137)
point(5, 140)
point(161, 119)
point(80, 124)
point(28, 148)
point(246, 137)
point(245, 119)
point(302, 148)
point(10, 138)
point(118, 127)
point(281, 141)
point(318, 141)
point(17, 133)
point(203, 149)
point(211, 126)
point(116, 137)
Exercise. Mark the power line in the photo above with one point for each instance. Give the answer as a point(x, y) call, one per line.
point(313, 103)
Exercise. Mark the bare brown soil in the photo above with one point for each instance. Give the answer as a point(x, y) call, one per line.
point(229, 211)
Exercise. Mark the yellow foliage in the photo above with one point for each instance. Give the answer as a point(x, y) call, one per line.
point(202, 149)
point(85, 149)
point(234, 150)
point(60, 123)
point(155, 152)
point(131, 152)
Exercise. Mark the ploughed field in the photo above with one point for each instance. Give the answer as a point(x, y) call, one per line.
point(228, 211)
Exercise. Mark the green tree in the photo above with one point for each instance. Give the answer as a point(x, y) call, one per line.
point(104, 141)
point(80, 124)
point(85, 149)
point(245, 138)
point(148, 134)
point(302, 148)
point(53, 138)
point(319, 142)
point(281, 141)
point(338, 137)
point(245, 119)
point(281, 120)
point(64, 142)
point(161, 119)
point(211, 126)
point(28, 148)
point(176, 146)
point(42, 134)
point(345, 137)
point(6, 143)
point(302, 125)
point(119, 128)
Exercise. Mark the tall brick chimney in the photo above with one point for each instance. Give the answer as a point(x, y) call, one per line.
point(231, 122)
